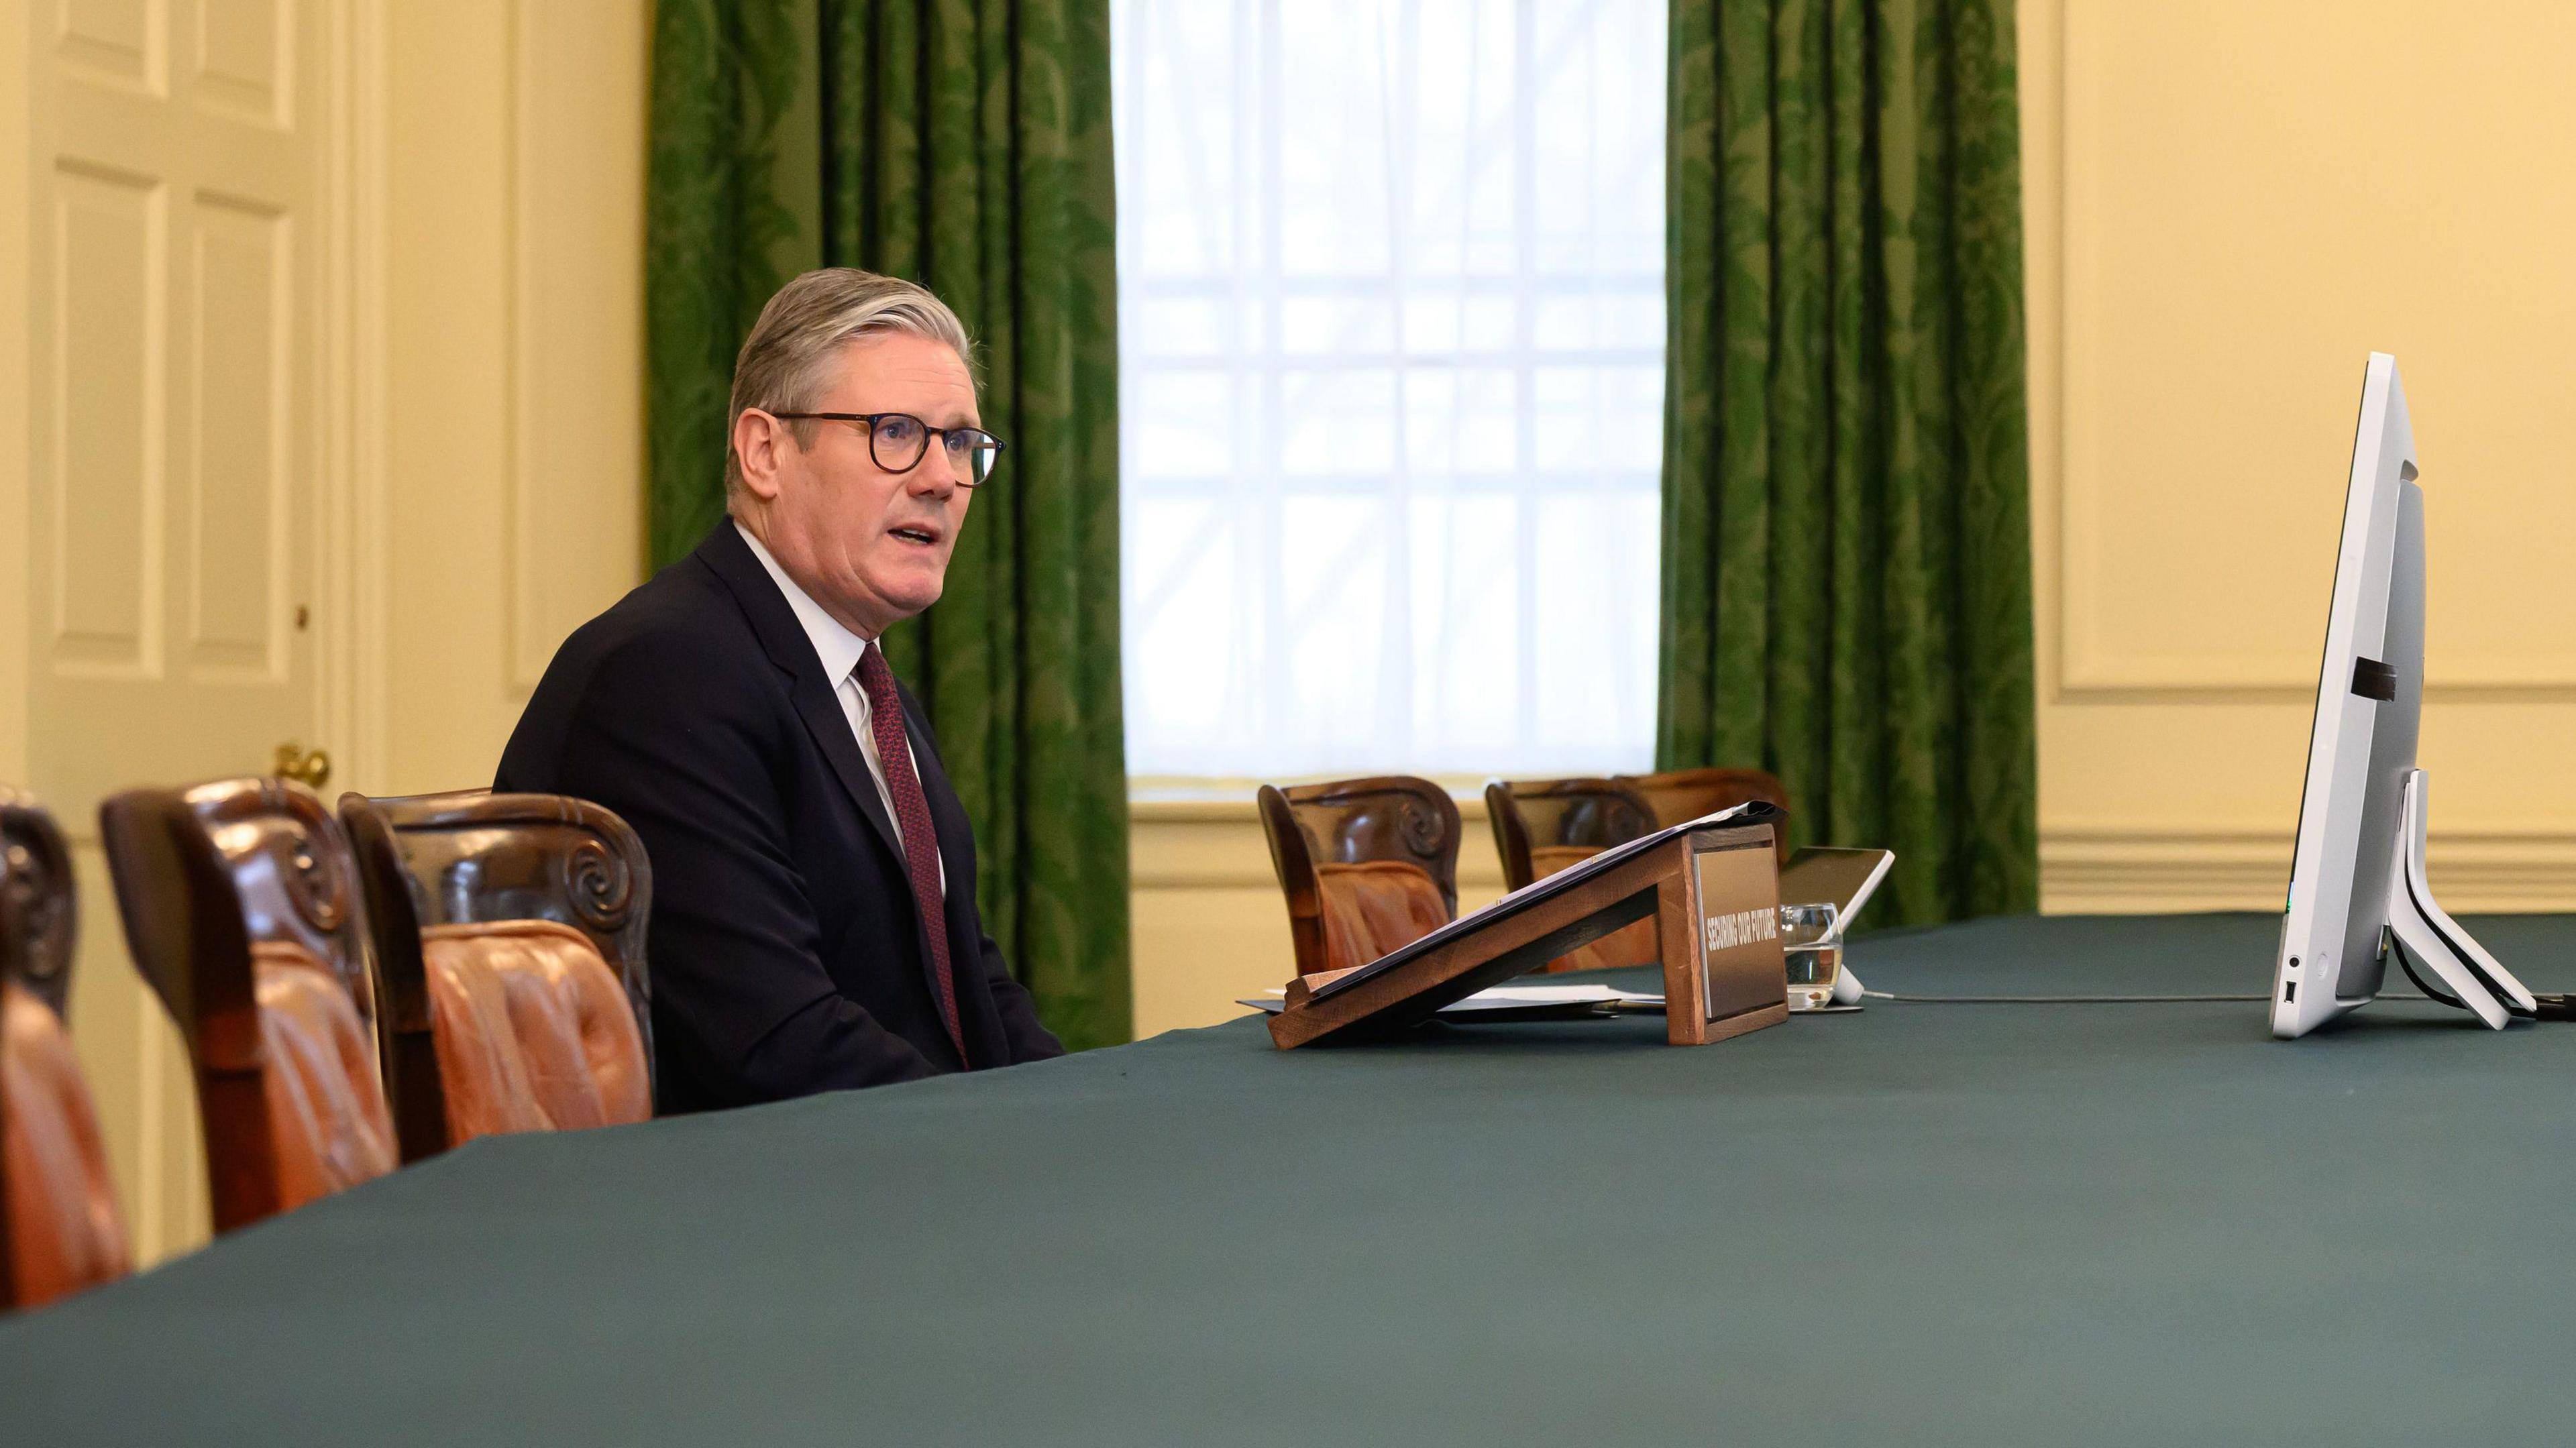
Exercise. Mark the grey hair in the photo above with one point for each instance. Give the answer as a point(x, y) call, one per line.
point(784, 364)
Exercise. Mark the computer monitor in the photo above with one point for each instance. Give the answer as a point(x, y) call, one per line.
point(2357, 881)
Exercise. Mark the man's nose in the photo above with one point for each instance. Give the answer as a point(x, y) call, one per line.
point(937, 475)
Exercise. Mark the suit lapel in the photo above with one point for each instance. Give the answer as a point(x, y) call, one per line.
point(784, 640)
point(830, 725)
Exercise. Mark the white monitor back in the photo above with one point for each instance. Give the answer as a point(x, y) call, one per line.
point(2369, 703)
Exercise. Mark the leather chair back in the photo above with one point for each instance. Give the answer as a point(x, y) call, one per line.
point(240, 904)
point(1685, 794)
point(1367, 865)
point(1542, 826)
point(59, 1226)
point(509, 932)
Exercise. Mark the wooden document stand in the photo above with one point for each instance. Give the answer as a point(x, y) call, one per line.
point(1714, 889)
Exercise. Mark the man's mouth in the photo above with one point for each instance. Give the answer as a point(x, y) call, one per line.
point(923, 536)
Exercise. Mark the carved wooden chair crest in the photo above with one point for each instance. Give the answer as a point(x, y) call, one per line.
point(240, 904)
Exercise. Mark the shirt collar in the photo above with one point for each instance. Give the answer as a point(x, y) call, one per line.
point(834, 644)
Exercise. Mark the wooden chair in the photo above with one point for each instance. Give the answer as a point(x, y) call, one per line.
point(1542, 826)
point(509, 933)
point(59, 1227)
point(1368, 865)
point(240, 903)
point(1686, 794)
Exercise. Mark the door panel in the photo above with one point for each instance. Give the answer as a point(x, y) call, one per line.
point(244, 56)
point(114, 40)
point(105, 485)
point(240, 483)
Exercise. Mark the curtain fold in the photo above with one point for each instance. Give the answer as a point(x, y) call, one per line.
point(1846, 583)
point(964, 144)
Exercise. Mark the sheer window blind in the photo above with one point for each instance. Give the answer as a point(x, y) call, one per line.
point(1392, 314)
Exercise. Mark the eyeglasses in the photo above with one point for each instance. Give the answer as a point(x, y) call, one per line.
point(899, 441)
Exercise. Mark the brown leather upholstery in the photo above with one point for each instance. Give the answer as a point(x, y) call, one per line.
point(509, 933)
point(326, 1110)
point(1374, 907)
point(1366, 865)
point(240, 903)
point(59, 1226)
point(58, 1220)
point(534, 1032)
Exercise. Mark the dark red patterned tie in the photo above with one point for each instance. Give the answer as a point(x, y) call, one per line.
point(912, 818)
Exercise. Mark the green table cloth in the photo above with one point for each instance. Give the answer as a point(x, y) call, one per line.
point(1929, 1224)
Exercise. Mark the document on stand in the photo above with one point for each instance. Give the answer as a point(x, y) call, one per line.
point(1753, 812)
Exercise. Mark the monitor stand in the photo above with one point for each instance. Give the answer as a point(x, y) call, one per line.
point(2430, 935)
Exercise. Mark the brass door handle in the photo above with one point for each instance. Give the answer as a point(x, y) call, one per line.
point(312, 769)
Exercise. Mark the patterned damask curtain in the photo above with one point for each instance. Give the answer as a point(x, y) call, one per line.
point(964, 144)
point(1846, 594)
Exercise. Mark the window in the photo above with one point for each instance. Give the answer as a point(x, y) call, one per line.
point(1391, 304)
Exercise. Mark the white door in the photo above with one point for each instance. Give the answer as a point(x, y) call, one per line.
point(175, 286)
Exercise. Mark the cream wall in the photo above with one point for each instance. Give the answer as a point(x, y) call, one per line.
point(2227, 207)
point(513, 362)
point(477, 486)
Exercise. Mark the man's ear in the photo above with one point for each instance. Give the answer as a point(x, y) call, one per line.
point(759, 441)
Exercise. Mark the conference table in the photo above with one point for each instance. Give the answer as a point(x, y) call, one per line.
point(1929, 1223)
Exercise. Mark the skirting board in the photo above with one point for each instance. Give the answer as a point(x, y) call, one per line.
point(2084, 872)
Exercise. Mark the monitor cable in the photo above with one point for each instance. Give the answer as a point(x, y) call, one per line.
point(2406, 963)
point(2552, 1007)
point(2051, 1000)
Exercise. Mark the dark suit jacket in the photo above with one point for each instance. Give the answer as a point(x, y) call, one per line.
point(786, 954)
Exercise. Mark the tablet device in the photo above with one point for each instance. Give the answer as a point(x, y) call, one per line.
point(1842, 878)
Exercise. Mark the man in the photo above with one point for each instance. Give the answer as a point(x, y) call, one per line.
point(813, 916)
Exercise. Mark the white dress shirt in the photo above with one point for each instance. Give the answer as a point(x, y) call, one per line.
point(839, 649)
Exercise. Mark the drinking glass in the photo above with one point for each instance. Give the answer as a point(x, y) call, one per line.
point(1813, 948)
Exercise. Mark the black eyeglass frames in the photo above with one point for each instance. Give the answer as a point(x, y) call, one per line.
point(899, 441)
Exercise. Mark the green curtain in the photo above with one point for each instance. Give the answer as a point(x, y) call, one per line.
point(1846, 510)
point(964, 144)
